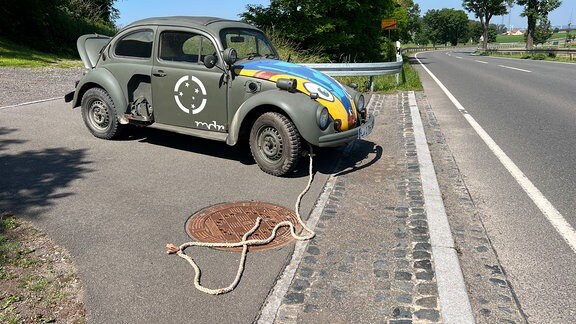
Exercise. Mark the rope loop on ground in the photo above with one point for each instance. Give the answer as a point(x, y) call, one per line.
point(245, 243)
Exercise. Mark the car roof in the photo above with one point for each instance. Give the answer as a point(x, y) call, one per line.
point(211, 23)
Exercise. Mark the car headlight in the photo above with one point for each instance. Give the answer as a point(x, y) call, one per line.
point(323, 118)
point(360, 106)
point(360, 102)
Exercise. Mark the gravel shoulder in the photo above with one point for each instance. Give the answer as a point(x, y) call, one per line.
point(20, 85)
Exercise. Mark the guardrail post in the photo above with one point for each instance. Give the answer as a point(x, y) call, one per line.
point(371, 83)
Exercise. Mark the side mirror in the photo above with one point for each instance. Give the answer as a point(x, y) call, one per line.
point(230, 56)
point(210, 61)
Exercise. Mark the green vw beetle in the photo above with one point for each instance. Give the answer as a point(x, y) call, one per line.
point(217, 79)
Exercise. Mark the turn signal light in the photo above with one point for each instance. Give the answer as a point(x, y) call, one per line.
point(338, 125)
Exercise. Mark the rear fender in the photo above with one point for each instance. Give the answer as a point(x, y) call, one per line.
point(102, 78)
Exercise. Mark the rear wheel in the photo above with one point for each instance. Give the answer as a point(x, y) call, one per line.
point(99, 114)
point(275, 143)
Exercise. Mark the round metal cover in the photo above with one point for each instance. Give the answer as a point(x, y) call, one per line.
point(228, 222)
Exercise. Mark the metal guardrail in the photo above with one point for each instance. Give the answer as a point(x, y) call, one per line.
point(361, 69)
point(426, 48)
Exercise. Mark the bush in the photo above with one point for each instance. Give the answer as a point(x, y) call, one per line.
point(287, 49)
point(47, 25)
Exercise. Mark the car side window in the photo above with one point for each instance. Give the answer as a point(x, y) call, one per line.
point(137, 44)
point(178, 46)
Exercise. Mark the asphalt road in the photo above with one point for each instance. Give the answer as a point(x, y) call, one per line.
point(115, 204)
point(529, 109)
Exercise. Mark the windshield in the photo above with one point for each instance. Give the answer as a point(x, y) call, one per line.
point(248, 43)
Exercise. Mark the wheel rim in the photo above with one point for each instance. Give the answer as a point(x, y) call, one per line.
point(270, 144)
point(99, 115)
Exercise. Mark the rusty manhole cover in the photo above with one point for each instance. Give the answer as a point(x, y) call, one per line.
point(228, 222)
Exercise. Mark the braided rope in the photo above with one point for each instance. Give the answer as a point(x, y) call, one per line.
point(245, 243)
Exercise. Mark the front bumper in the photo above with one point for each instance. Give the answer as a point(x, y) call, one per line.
point(342, 138)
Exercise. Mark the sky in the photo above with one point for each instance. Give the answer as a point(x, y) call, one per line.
point(559, 17)
point(132, 10)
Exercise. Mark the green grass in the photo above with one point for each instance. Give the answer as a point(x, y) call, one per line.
point(28, 277)
point(409, 81)
point(537, 56)
point(520, 38)
point(6, 247)
point(15, 55)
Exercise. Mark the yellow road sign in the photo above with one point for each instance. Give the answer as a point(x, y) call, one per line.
point(389, 23)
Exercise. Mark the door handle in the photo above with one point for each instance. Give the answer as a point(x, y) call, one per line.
point(160, 73)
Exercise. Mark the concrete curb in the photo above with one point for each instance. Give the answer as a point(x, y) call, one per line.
point(454, 301)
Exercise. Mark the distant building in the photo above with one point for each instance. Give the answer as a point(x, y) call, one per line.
point(515, 32)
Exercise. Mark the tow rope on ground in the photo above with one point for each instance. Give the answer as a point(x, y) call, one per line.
point(245, 243)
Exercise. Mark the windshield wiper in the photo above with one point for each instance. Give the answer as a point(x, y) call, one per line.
point(252, 55)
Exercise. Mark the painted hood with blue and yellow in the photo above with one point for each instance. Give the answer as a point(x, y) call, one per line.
point(331, 94)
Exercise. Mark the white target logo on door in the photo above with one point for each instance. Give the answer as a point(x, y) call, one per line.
point(190, 94)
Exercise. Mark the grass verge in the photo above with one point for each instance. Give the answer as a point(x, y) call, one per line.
point(537, 56)
point(409, 81)
point(38, 283)
point(12, 54)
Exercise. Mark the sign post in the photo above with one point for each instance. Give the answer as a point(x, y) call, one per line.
point(389, 24)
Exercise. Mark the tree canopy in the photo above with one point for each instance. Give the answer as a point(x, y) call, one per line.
point(535, 10)
point(347, 30)
point(54, 25)
point(445, 26)
point(485, 10)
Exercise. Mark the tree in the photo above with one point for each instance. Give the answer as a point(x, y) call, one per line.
point(477, 31)
point(485, 10)
point(94, 9)
point(501, 29)
point(543, 31)
point(54, 25)
point(535, 10)
point(446, 26)
point(409, 22)
point(342, 28)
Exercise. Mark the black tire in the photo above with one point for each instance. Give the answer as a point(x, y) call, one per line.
point(99, 114)
point(275, 143)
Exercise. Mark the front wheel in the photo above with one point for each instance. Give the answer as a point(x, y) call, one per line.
point(275, 143)
point(99, 114)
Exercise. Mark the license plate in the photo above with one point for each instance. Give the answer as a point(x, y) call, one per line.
point(366, 128)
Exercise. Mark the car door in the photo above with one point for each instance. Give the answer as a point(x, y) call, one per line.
point(129, 60)
point(185, 92)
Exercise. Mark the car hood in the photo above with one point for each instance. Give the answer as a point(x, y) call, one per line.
point(331, 93)
point(90, 47)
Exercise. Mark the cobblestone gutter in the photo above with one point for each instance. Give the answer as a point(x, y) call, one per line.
point(371, 260)
point(491, 295)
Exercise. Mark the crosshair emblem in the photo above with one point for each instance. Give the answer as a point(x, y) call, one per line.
point(190, 94)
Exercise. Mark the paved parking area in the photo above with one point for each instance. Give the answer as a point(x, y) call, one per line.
point(371, 260)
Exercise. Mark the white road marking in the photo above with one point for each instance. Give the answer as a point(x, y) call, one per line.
point(513, 68)
point(481, 62)
point(459, 57)
point(31, 102)
point(553, 216)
